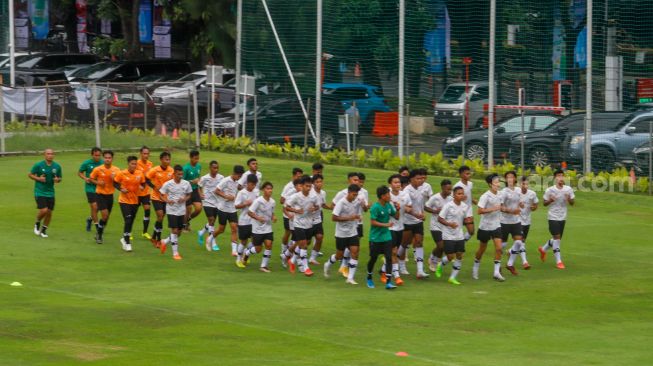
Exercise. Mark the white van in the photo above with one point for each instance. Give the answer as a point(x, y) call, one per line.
point(450, 107)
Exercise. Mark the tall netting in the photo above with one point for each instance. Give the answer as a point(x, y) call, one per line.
point(541, 49)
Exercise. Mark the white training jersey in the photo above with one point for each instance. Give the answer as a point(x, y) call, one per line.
point(364, 198)
point(437, 202)
point(321, 200)
point(427, 189)
point(451, 212)
point(528, 199)
point(243, 180)
point(243, 196)
point(229, 187)
point(288, 190)
point(418, 198)
point(263, 208)
point(490, 221)
point(304, 202)
point(175, 192)
point(510, 198)
point(467, 188)
point(340, 195)
point(558, 208)
point(346, 229)
point(403, 200)
point(208, 185)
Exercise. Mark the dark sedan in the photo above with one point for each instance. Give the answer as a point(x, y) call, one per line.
point(476, 140)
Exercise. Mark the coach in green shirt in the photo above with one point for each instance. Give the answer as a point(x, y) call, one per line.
point(192, 173)
point(84, 173)
point(380, 236)
point(45, 174)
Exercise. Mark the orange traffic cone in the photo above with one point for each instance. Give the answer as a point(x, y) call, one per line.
point(563, 165)
point(633, 178)
point(164, 132)
point(175, 134)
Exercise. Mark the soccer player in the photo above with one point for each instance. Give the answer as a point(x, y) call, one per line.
point(380, 237)
point(529, 203)
point(244, 199)
point(346, 215)
point(130, 182)
point(465, 182)
point(401, 201)
point(175, 193)
point(556, 198)
point(45, 174)
point(288, 190)
point(316, 169)
point(252, 165)
point(352, 178)
point(404, 171)
point(364, 197)
point(84, 172)
point(414, 224)
point(207, 186)
point(302, 205)
point(262, 214)
point(489, 207)
point(318, 217)
point(226, 192)
point(192, 174)
point(511, 207)
point(144, 164)
point(103, 178)
point(452, 216)
point(156, 178)
point(434, 205)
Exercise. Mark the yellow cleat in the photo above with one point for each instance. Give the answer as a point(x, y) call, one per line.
point(147, 236)
point(240, 264)
point(344, 271)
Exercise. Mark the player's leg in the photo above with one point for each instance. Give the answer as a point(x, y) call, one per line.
point(267, 253)
point(341, 244)
point(387, 254)
point(233, 226)
point(127, 212)
point(318, 231)
point(353, 262)
point(47, 217)
point(498, 252)
point(145, 201)
point(375, 250)
point(557, 237)
point(483, 238)
point(418, 245)
point(516, 247)
point(407, 238)
point(522, 252)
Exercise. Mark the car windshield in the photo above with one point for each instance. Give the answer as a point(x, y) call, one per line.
point(28, 61)
point(192, 77)
point(96, 71)
point(453, 94)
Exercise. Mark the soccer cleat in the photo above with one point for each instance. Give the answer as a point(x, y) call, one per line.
point(154, 242)
point(264, 269)
point(344, 271)
point(453, 281)
point(526, 266)
point(475, 274)
point(131, 238)
point(438, 270)
point(200, 238)
point(390, 286)
point(124, 244)
point(432, 265)
point(89, 221)
point(234, 254)
point(207, 244)
point(98, 239)
point(560, 265)
point(215, 247)
point(43, 234)
point(308, 272)
point(351, 282)
point(542, 253)
point(399, 281)
point(314, 262)
point(37, 231)
point(291, 265)
point(512, 270)
point(384, 279)
point(326, 270)
point(163, 246)
point(283, 260)
point(176, 257)
point(240, 264)
point(147, 236)
point(499, 277)
point(422, 275)
point(404, 272)
point(370, 283)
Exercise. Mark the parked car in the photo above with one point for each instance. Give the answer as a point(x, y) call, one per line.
point(369, 100)
point(181, 86)
point(174, 112)
point(611, 146)
point(128, 71)
point(4, 58)
point(642, 155)
point(55, 61)
point(281, 120)
point(450, 106)
point(476, 140)
point(546, 146)
point(30, 78)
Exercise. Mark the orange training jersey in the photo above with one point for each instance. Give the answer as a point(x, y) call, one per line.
point(132, 183)
point(158, 177)
point(106, 175)
point(144, 167)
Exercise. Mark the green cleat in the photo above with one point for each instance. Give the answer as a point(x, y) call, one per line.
point(438, 270)
point(453, 281)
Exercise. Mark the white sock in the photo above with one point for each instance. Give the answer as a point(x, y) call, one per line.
point(240, 248)
point(445, 260)
point(497, 267)
point(284, 247)
point(204, 230)
point(455, 268)
point(400, 251)
point(477, 266)
point(514, 250)
point(314, 254)
point(211, 229)
point(331, 261)
point(419, 259)
point(250, 251)
point(250, 245)
point(547, 245)
point(345, 258)
point(353, 264)
point(234, 247)
point(267, 254)
point(175, 248)
point(303, 256)
point(522, 253)
point(401, 264)
point(556, 250)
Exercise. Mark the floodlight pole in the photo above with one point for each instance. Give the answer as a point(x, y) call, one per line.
point(491, 102)
point(402, 21)
point(12, 45)
point(318, 77)
point(239, 34)
point(588, 92)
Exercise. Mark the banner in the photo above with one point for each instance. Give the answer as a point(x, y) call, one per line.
point(577, 12)
point(580, 51)
point(558, 57)
point(82, 44)
point(40, 19)
point(145, 21)
point(161, 31)
point(21, 26)
point(32, 102)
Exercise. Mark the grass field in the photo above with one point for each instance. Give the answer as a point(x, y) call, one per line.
point(83, 303)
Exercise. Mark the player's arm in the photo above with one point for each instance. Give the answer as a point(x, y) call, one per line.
point(240, 203)
point(548, 199)
point(444, 222)
point(570, 200)
point(227, 197)
point(186, 197)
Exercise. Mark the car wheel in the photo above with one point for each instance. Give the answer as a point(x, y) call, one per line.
point(171, 119)
point(475, 151)
point(327, 140)
point(539, 156)
point(602, 159)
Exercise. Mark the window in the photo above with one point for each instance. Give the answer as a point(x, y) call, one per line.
point(481, 93)
point(642, 125)
point(514, 124)
point(350, 93)
point(542, 122)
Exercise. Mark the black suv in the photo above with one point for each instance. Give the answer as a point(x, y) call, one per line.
point(55, 61)
point(547, 146)
point(128, 71)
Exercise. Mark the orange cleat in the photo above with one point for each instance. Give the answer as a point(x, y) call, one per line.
point(176, 257)
point(526, 266)
point(162, 247)
point(512, 270)
point(154, 242)
point(542, 253)
point(399, 281)
point(560, 265)
point(291, 266)
point(308, 272)
point(384, 280)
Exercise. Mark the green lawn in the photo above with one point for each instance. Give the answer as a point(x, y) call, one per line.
point(83, 303)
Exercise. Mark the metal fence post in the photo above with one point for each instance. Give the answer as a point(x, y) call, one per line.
point(255, 124)
point(197, 120)
point(2, 120)
point(145, 108)
point(96, 117)
point(521, 133)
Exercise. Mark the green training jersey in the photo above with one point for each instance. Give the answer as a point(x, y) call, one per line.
point(381, 213)
point(192, 173)
point(42, 169)
point(86, 168)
